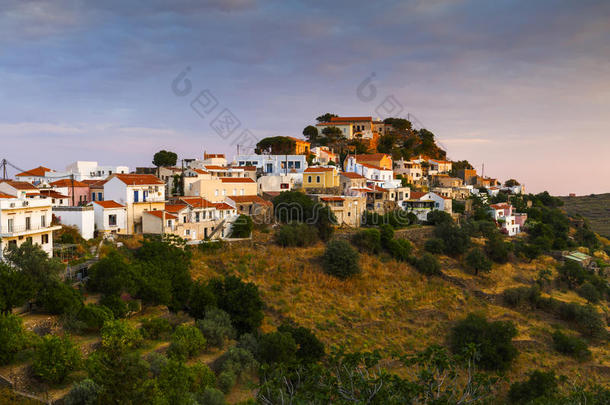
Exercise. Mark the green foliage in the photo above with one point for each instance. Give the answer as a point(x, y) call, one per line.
point(234, 363)
point(386, 234)
point(216, 327)
point(397, 219)
point(94, 316)
point(85, 392)
point(200, 299)
point(60, 298)
point(112, 275)
point(398, 124)
point(588, 284)
point(294, 206)
point(276, 347)
point(13, 337)
point(540, 385)
point(15, 288)
point(589, 292)
point(585, 318)
point(325, 117)
point(311, 133)
point(477, 261)
point(434, 245)
point(310, 349)
point(437, 217)
point(400, 249)
point(340, 259)
point(202, 377)
point(118, 336)
point(155, 328)
point(55, 357)
point(187, 341)
point(165, 158)
point(175, 381)
point(242, 227)
point(291, 235)
point(276, 145)
point(571, 346)
point(428, 265)
point(212, 396)
point(497, 249)
point(241, 301)
point(115, 304)
point(521, 296)
point(367, 240)
point(455, 238)
point(493, 341)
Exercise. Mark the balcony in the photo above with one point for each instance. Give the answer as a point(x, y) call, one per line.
point(20, 230)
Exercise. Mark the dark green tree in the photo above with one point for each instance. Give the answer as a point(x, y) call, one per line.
point(15, 288)
point(311, 133)
point(340, 259)
point(165, 158)
point(241, 301)
point(55, 357)
point(477, 261)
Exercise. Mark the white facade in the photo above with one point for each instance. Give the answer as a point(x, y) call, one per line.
point(277, 183)
point(274, 164)
point(440, 203)
point(89, 170)
point(125, 194)
point(109, 219)
point(81, 217)
point(382, 177)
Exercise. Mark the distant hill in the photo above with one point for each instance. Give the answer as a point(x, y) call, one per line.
point(595, 208)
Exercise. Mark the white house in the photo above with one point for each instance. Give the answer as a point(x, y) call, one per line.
point(278, 183)
point(381, 177)
point(441, 203)
point(82, 218)
point(507, 220)
point(25, 220)
point(323, 155)
point(89, 170)
point(274, 164)
point(20, 189)
point(110, 216)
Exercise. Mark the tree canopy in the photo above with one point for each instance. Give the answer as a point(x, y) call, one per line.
point(165, 158)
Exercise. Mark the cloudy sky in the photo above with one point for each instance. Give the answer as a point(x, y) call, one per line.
point(520, 86)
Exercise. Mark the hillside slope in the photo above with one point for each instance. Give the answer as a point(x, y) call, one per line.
point(595, 208)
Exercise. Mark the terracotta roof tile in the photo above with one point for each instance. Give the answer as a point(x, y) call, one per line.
point(319, 169)
point(237, 180)
point(4, 195)
point(138, 179)
point(242, 199)
point(21, 185)
point(40, 171)
point(223, 206)
point(159, 214)
point(68, 183)
point(109, 204)
point(352, 175)
point(52, 193)
point(331, 199)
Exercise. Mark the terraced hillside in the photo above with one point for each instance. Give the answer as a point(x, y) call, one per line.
point(595, 208)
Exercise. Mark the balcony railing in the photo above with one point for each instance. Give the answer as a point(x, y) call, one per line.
point(14, 229)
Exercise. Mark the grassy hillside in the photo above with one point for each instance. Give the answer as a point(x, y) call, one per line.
point(595, 208)
point(391, 306)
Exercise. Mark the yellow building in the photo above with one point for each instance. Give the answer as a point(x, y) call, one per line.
point(301, 146)
point(216, 189)
point(320, 178)
point(382, 160)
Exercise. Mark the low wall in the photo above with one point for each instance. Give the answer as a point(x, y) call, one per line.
point(415, 234)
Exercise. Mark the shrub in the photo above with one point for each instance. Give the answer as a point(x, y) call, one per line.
point(493, 340)
point(367, 240)
point(400, 249)
point(231, 365)
point(341, 260)
point(212, 396)
point(115, 304)
point(519, 296)
point(242, 227)
point(310, 349)
point(386, 234)
point(585, 317)
point(571, 346)
point(111, 275)
point(94, 316)
point(59, 298)
point(12, 337)
point(437, 217)
point(226, 381)
point(118, 336)
point(187, 341)
point(589, 292)
point(428, 265)
point(203, 377)
point(155, 328)
point(216, 327)
point(477, 261)
point(540, 385)
point(156, 362)
point(456, 239)
point(201, 297)
point(85, 392)
point(241, 301)
point(277, 347)
point(435, 245)
point(55, 358)
point(497, 249)
point(291, 235)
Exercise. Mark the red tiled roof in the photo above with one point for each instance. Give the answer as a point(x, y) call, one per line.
point(159, 214)
point(371, 166)
point(352, 175)
point(371, 156)
point(333, 119)
point(200, 171)
point(336, 123)
point(68, 183)
point(223, 206)
point(175, 208)
point(319, 169)
point(330, 199)
point(109, 204)
point(416, 195)
point(138, 179)
point(215, 167)
point(197, 202)
point(213, 155)
point(20, 185)
point(95, 183)
point(4, 195)
point(40, 171)
point(242, 199)
point(237, 180)
point(500, 206)
point(375, 188)
point(52, 193)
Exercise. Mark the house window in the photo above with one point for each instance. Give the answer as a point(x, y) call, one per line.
point(216, 192)
point(92, 197)
point(99, 196)
point(317, 179)
point(45, 238)
point(297, 165)
point(309, 179)
point(43, 221)
point(11, 223)
point(145, 195)
point(136, 196)
point(234, 191)
point(112, 220)
point(28, 223)
point(184, 218)
point(224, 192)
point(241, 192)
point(196, 217)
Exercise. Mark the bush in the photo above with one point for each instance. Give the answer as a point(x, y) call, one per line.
point(340, 259)
point(367, 240)
point(156, 362)
point(437, 217)
point(434, 246)
point(291, 235)
point(116, 305)
point(589, 292)
point(201, 298)
point(203, 377)
point(112, 275)
point(540, 385)
point(226, 381)
point(156, 328)
point(118, 336)
point(216, 327)
point(477, 261)
point(59, 298)
point(571, 346)
point(277, 347)
point(85, 392)
point(231, 365)
point(241, 301)
point(519, 296)
point(497, 249)
point(93, 316)
point(55, 358)
point(456, 239)
point(12, 337)
point(585, 317)
point(242, 227)
point(493, 341)
point(428, 265)
point(187, 341)
point(212, 396)
point(310, 349)
point(386, 234)
point(400, 249)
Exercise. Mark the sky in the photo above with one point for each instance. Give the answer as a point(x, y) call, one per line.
point(522, 87)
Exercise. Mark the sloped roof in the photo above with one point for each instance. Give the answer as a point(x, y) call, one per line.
point(138, 179)
point(330, 199)
point(416, 195)
point(159, 214)
point(4, 195)
point(109, 204)
point(334, 119)
point(197, 202)
point(237, 180)
point(243, 199)
point(352, 175)
point(319, 169)
point(20, 185)
point(40, 171)
point(175, 208)
point(68, 183)
point(223, 206)
point(52, 193)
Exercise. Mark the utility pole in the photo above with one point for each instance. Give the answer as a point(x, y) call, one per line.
point(3, 169)
point(72, 182)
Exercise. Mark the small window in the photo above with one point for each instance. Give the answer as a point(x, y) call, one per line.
point(317, 179)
